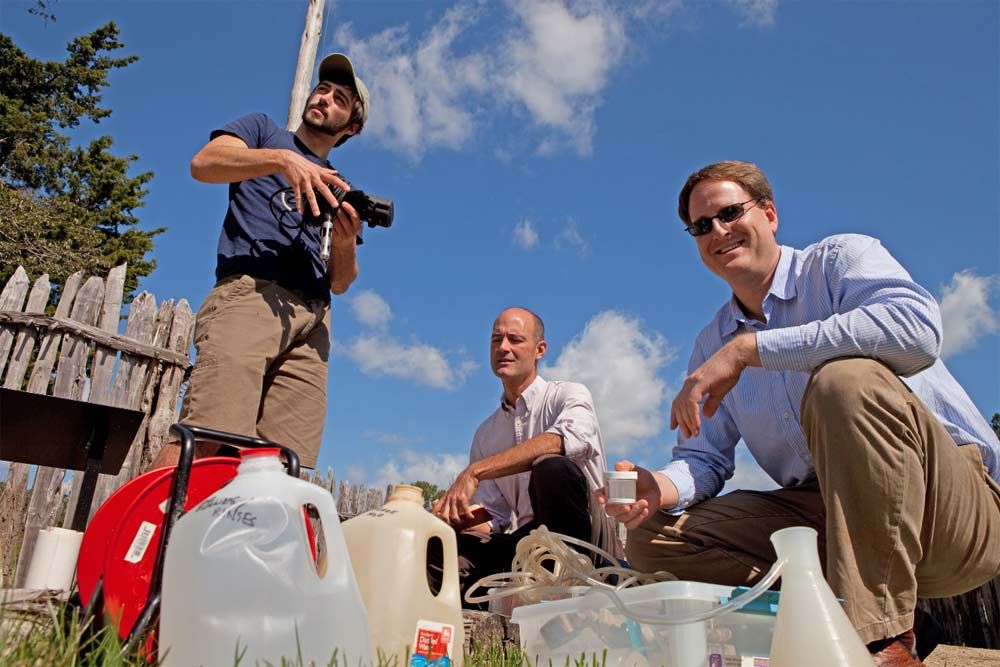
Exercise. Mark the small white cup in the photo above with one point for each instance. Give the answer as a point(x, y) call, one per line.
point(620, 486)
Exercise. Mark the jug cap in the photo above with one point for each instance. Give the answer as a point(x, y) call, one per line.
point(407, 492)
point(259, 451)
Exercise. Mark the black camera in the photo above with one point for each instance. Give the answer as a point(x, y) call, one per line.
point(373, 210)
point(376, 211)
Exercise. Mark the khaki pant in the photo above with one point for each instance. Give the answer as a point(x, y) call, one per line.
point(261, 365)
point(900, 510)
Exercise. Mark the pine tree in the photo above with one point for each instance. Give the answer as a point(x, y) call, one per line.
point(65, 207)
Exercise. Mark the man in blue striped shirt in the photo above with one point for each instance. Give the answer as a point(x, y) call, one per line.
point(825, 362)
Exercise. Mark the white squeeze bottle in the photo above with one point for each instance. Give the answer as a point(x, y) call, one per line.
point(239, 575)
point(388, 549)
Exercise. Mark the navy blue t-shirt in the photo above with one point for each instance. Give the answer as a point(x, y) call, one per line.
point(263, 235)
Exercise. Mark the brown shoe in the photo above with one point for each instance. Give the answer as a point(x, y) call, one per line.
point(896, 652)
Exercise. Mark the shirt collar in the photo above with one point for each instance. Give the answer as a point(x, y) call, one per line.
point(528, 396)
point(782, 287)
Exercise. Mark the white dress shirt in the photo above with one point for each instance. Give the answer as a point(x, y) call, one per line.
point(565, 409)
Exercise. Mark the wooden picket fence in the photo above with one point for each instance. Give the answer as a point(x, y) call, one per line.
point(78, 354)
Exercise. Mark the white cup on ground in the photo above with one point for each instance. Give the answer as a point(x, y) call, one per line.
point(620, 486)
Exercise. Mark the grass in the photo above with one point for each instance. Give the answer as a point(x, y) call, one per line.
point(62, 640)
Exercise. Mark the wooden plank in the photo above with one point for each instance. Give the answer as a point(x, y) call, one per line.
point(139, 328)
point(14, 496)
point(25, 345)
point(11, 299)
point(970, 619)
point(62, 325)
point(13, 499)
point(165, 409)
point(46, 493)
point(360, 499)
point(71, 376)
point(104, 358)
point(142, 326)
point(342, 496)
point(41, 373)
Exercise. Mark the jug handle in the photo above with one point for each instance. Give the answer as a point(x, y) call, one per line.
point(449, 582)
point(309, 493)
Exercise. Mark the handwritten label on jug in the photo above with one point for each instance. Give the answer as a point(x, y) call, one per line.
point(140, 542)
point(230, 506)
point(432, 644)
point(380, 512)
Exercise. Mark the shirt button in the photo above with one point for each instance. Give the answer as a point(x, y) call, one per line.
point(787, 415)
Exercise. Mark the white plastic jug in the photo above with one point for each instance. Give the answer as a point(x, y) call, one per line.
point(811, 627)
point(388, 549)
point(239, 576)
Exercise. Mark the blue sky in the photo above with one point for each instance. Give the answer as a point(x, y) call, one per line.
point(534, 151)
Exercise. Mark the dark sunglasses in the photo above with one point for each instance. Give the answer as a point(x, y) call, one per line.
point(726, 215)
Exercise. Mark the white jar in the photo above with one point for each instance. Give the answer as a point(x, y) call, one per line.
point(620, 486)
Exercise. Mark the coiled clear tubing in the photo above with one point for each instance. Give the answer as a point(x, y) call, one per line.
point(533, 581)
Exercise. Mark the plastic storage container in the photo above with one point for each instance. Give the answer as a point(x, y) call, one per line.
point(239, 573)
point(388, 549)
point(589, 624)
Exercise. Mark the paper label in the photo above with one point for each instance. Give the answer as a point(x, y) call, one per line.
point(432, 644)
point(749, 661)
point(140, 542)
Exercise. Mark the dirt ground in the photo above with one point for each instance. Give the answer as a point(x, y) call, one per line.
point(958, 656)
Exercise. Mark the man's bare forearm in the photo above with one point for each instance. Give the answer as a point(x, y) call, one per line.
point(230, 163)
point(517, 459)
point(343, 266)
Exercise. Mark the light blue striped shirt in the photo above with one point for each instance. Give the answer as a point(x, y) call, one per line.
point(845, 296)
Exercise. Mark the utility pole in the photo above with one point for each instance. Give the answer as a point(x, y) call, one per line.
point(307, 60)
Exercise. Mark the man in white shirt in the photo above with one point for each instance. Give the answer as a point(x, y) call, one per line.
point(538, 458)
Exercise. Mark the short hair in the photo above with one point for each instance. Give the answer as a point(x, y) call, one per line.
point(746, 174)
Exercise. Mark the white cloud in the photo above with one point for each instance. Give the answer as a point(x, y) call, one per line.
point(387, 438)
point(558, 61)
point(355, 474)
point(525, 235)
point(419, 92)
point(382, 355)
point(371, 309)
point(411, 466)
point(619, 362)
point(570, 237)
point(756, 12)
point(966, 313)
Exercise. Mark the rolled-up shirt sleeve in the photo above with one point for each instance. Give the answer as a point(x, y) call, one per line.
point(488, 494)
point(880, 313)
point(577, 423)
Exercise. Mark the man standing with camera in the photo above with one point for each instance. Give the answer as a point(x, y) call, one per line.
point(825, 362)
point(263, 333)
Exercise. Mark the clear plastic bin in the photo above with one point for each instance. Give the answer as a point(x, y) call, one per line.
point(579, 628)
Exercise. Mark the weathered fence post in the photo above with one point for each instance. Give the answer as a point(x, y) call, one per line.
point(46, 494)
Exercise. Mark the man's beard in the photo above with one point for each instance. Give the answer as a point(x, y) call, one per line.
point(322, 127)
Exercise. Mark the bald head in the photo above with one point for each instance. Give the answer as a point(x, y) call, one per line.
point(532, 323)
